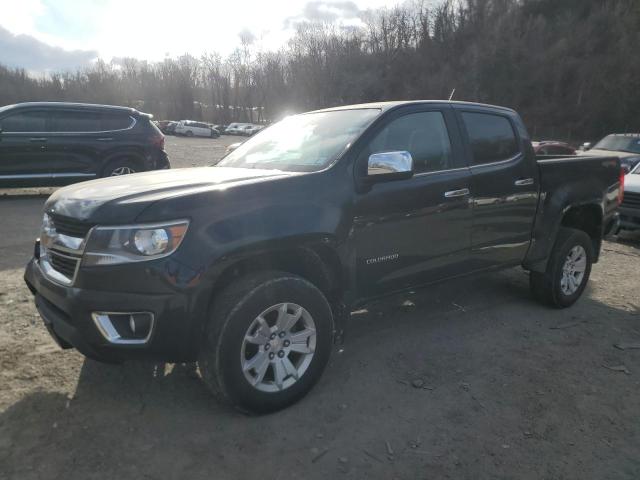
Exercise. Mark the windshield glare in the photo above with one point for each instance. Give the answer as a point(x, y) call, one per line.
point(302, 143)
point(619, 144)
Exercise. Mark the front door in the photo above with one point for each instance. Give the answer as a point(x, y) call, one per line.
point(414, 231)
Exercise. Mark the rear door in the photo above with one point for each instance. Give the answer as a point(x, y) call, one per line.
point(24, 146)
point(203, 130)
point(504, 185)
point(414, 231)
point(78, 143)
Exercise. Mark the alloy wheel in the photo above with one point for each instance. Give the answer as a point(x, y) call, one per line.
point(573, 270)
point(278, 347)
point(122, 171)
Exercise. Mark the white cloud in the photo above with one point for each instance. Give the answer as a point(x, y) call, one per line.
point(153, 29)
point(26, 51)
point(20, 17)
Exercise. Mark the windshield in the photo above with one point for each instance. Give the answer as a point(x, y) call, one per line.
point(619, 143)
point(302, 143)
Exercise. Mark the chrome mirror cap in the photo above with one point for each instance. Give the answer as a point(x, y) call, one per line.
point(390, 163)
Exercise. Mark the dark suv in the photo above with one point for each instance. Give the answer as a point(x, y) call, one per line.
point(49, 143)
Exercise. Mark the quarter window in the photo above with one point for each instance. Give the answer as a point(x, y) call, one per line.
point(24, 122)
point(491, 137)
point(115, 122)
point(422, 134)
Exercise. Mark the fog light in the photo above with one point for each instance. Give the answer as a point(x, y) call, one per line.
point(124, 328)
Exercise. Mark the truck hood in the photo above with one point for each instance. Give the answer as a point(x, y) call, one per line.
point(96, 200)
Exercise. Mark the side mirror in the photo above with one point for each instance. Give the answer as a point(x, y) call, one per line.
point(390, 166)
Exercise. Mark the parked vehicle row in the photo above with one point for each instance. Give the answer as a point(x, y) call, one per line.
point(552, 147)
point(49, 143)
point(191, 128)
point(251, 267)
point(244, 129)
point(625, 146)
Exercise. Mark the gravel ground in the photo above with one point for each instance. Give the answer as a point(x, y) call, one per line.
point(466, 380)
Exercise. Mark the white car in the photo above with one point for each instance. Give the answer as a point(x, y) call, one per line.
point(253, 129)
point(190, 128)
point(237, 128)
point(630, 207)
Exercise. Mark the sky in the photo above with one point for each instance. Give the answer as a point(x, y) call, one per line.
point(54, 35)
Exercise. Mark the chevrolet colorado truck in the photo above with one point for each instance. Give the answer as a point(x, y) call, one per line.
point(252, 266)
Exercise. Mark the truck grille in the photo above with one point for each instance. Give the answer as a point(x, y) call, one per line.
point(631, 200)
point(63, 263)
point(70, 226)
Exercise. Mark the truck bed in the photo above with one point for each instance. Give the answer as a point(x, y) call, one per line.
point(572, 180)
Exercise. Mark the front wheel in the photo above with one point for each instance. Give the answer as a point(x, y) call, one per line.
point(567, 271)
point(269, 340)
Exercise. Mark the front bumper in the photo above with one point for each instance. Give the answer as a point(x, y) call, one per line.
point(67, 314)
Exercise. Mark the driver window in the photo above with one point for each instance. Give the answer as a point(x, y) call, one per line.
point(423, 134)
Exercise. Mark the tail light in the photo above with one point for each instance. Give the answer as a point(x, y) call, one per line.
point(621, 188)
point(158, 141)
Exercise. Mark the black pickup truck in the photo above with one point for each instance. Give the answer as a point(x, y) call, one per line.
point(252, 266)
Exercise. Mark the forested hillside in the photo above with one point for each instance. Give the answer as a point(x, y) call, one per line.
point(571, 67)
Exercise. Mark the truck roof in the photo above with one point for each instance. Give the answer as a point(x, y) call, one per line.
point(384, 106)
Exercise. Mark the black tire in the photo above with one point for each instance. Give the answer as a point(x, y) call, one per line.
point(189, 133)
point(234, 310)
point(121, 163)
point(546, 287)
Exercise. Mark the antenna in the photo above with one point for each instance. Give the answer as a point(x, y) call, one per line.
point(452, 94)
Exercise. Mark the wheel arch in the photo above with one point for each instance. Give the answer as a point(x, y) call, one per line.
point(134, 153)
point(319, 263)
point(588, 218)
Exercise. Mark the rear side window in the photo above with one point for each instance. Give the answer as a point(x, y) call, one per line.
point(491, 137)
point(72, 121)
point(115, 122)
point(424, 135)
point(25, 122)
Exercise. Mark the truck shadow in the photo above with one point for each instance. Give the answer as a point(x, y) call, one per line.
point(480, 349)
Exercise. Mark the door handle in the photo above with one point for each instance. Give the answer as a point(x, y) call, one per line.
point(105, 139)
point(457, 193)
point(38, 139)
point(523, 182)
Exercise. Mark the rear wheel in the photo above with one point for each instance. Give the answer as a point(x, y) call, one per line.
point(120, 166)
point(189, 133)
point(567, 271)
point(268, 341)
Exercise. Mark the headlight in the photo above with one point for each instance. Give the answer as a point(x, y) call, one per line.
point(133, 243)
